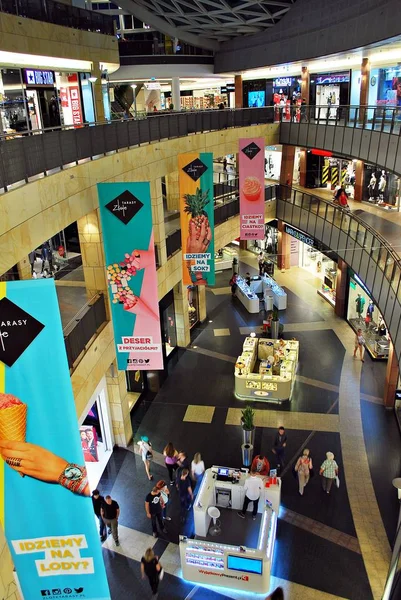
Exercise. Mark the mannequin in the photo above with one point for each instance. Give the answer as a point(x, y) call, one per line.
point(360, 303)
point(370, 310)
point(382, 187)
point(382, 328)
point(371, 187)
point(32, 258)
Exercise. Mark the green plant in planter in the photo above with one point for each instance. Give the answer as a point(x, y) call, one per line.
point(247, 418)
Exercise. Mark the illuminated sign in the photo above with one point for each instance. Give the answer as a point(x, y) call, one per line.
point(331, 78)
point(283, 82)
point(302, 237)
point(38, 77)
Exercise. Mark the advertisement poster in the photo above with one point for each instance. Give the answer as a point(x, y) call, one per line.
point(45, 505)
point(126, 215)
point(252, 188)
point(89, 443)
point(197, 217)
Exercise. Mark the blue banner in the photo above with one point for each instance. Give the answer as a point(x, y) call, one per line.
point(45, 505)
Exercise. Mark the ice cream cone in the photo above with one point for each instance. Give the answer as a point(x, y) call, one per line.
point(12, 418)
point(140, 308)
point(143, 258)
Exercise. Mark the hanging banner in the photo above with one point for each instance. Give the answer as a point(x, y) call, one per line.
point(45, 505)
point(197, 217)
point(126, 215)
point(252, 188)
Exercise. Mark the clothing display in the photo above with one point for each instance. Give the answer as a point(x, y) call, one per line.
point(370, 310)
point(360, 303)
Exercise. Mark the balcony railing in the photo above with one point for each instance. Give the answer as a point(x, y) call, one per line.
point(84, 327)
point(368, 254)
point(59, 14)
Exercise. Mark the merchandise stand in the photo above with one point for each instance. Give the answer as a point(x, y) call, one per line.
point(266, 369)
point(246, 296)
point(267, 286)
point(215, 559)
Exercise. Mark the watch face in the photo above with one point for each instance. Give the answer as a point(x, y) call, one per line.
point(73, 472)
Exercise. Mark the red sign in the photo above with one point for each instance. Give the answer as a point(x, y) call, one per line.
point(76, 105)
point(64, 97)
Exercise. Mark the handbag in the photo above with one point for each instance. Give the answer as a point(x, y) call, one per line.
point(149, 455)
point(337, 481)
point(161, 574)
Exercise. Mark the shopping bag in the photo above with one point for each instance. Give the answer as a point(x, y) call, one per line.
point(337, 481)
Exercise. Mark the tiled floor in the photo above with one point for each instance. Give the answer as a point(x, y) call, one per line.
point(328, 547)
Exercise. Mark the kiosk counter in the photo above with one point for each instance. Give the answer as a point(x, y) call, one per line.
point(241, 555)
point(266, 369)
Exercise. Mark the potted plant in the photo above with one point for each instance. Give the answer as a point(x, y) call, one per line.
point(248, 428)
point(275, 325)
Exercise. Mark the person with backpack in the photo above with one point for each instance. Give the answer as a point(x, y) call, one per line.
point(147, 455)
point(303, 468)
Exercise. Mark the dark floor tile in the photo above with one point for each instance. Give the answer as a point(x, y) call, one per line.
point(383, 447)
point(373, 376)
point(160, 545)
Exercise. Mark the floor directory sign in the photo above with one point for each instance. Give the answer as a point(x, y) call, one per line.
point(126, 215)
point(252, 188)
point(197, 217)
point(45, 506)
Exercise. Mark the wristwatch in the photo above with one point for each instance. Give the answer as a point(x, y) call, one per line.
point(74, 478)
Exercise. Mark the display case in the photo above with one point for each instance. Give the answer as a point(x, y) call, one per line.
point(224, 260)
point(248, 298)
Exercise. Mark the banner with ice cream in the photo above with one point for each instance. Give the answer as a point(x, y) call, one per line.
point(45, 506)
point(197, 217)
point(252, 188)
point(126, 215)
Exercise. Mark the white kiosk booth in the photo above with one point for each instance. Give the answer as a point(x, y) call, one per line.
point(229, 551)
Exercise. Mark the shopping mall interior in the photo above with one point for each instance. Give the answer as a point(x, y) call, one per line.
point(237, 164)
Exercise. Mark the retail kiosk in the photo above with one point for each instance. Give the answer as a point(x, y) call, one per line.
point(245, 294)
point(266, 369)
point(269, 287)
point(240, 554)
point(223, 259)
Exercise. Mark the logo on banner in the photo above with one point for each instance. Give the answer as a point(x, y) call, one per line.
point(18, 329)
point(251, 150)
point(125, 206)
point(63, 593)
point(195, 169)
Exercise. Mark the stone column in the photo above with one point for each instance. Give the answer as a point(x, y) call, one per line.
point(341, 289)
point(305, 84)
point(359, 181)
point(238, 92)
point(119, 400)
point(97, 93)
point(364, 91)
point(287, 165)
point(173, 192)
point(302, 167)
point(181, 315)
point(284, 248)
point(24, 268)
point(94, 264)
point(175, 93)
point(202, 303)
point(392, 373)
point(158, 219)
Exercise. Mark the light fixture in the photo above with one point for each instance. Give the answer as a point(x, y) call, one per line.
point(92, 79)
point(252, 334)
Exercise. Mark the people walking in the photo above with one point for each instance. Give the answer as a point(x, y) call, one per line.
point(154, 510)
point(185, 492)
point(182, 463)
point(261, 260)
point(261, 465)
point(303, 468)
point(225, 164)
point(165, 494)
point(110, 512)
point(329, 472)
point(197, 471)
point(253, 488)
point(170, 460)
point(152, 569)
point(98, 502)
point(280, 443)
point(146, 452)
point(359, 344)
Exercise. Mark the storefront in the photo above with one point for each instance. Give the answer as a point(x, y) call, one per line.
point(13, 105)
point(269, 245)
point(286, 92)
point(58, 255)
point(323, 170)
point(362, 313)
point(96, 434)
point(193, 305)
point(273, 156)
point(328, 91)
point(381, 187)
point(167, 322)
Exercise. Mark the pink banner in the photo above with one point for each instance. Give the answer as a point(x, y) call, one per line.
point(252, 188)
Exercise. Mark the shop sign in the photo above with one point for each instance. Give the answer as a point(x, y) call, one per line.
point(197, 217)
point(283, 82)
point(52, 550)
point(299, 235)
point(63, 93)
point(252, 188)
point(330, 78)
point(230, 87)
point(126, 215)
point(153, 85)
point(36, 77)
point(76, 109)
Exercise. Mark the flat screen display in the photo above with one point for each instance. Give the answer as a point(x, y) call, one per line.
point(248, 565)
point(222, 472)
point(256, 99)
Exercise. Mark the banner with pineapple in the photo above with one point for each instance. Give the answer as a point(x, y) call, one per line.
point(197, 217)
point(252, 188)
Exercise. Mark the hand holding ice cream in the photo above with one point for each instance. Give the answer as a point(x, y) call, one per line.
point(12, 418)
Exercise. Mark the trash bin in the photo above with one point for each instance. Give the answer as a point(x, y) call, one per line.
point(268, 303)
point(247, 452)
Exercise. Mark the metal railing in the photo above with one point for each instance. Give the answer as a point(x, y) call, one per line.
point(59, 14)
point(368, 253)
point(83, 327)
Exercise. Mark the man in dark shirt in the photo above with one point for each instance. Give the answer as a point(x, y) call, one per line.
point(182, 463)
point(154, 509)
point(98, 502)
point(280, 442)
point(185, 491)
point(110, 512)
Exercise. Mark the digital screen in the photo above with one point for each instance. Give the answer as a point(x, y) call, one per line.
point(256, 99)
point(222, 472)
point(249, 565)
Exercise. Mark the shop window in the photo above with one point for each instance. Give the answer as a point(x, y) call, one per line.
point(395, 279)
point(169, 329)
point(193, 306)
point(389, 268)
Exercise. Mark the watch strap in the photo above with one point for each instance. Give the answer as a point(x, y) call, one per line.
point(77, 486)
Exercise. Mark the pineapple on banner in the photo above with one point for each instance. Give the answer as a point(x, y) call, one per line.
point(197, 217)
